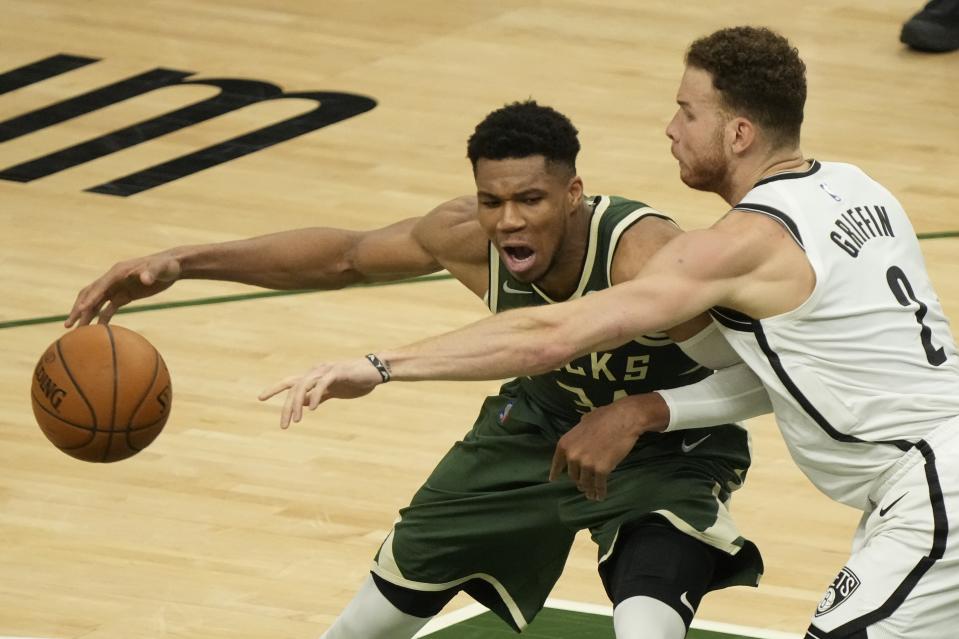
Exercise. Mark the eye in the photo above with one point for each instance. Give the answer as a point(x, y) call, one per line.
point(490, 204)
point(533, 199)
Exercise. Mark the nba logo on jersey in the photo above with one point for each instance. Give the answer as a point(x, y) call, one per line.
point(504, 414)
point(844, 585)
point(825, 187)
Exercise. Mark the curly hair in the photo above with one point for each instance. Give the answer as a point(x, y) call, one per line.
point(522, 129)
point(758, 73)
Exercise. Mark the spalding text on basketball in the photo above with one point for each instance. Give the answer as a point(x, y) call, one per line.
point(51, 391)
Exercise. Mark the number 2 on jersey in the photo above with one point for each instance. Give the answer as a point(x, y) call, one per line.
point(902, 289)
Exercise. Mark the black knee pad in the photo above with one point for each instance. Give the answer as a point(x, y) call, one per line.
point(417, 603)
point(653, 559)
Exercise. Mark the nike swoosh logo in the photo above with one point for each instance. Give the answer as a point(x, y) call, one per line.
point(688, 447)
point(682, 597)
point(883, 511)
point(509, 289)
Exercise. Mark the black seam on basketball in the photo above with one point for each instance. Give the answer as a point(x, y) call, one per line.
point(146, 393)
point(65, 421)
point(116, 375)
point(73, 380)
point(91, 429)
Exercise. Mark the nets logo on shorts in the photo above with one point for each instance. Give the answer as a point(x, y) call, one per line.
point(844, 585)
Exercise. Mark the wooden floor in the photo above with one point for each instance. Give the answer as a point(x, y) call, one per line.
point(227, 526)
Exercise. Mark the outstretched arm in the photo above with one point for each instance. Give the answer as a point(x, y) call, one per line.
point(692, 273)
point(672, 288)
point(309, 258)
point(746, 262)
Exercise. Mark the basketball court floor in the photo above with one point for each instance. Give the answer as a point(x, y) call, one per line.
point(116, 140)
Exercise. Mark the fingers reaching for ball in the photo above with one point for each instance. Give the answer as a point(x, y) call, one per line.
point(124, 282)
point(341, 380)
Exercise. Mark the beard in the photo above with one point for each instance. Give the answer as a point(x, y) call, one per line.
point(709, 171)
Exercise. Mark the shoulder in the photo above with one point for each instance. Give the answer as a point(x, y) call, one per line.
point(452, 229)
point(744, 244)
point(646, 231)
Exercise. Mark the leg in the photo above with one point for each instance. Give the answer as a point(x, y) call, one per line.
point(486, 521)
point(647, 618)
point(656, 579)
point(902, 579)
point(383, 611)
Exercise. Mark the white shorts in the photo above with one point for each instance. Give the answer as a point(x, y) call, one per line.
point(902, 580)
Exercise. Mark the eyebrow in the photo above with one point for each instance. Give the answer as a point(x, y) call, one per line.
point(518, 195)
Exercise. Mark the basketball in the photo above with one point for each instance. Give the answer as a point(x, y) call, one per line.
point(101, 393)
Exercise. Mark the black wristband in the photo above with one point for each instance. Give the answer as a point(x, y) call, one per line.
point(379, 366)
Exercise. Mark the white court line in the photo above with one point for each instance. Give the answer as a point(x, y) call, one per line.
point(445, 621)
point(474, 609)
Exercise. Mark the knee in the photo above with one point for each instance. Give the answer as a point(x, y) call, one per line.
point(647, 618)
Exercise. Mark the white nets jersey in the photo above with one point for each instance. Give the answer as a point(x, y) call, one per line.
point(867, 365)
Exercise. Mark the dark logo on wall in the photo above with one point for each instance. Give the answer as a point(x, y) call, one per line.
point(844, 585)
point(233, 94)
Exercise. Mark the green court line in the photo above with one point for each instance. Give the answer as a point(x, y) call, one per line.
point(937, 235)
point(50, 319)
point(551, 623)
point(223, 299)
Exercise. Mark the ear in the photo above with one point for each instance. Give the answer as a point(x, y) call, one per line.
point(740, 135)
point(575, 192)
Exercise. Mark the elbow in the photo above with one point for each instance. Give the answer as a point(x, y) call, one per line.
point(335, 274)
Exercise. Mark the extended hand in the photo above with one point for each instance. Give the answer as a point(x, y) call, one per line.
point(602, 439)
point(342, 380)
point(125, 282)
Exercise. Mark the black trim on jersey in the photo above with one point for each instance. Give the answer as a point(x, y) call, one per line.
point(777, 215)
point(745, 324)
point(777, 366)
point(814, 166)
point(940, 534)
point(732, 319)
point(939, 515)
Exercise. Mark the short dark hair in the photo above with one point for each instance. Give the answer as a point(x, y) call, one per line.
point(758, 73)
point(522, 129)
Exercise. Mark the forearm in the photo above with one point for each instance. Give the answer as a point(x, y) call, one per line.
point(729, 395)
point(505, 345)
point(298, 259)
point(527, 341)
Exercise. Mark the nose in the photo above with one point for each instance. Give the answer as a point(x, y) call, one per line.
point(511, 219)
point(671, 128)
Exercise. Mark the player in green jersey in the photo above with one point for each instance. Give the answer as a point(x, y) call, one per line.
point(488, 520)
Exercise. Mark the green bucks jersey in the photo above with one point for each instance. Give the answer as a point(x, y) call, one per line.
point(647, 363)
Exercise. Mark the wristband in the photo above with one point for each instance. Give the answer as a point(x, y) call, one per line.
point(378, 364)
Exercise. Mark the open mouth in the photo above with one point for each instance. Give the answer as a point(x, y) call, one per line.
point(519, 258)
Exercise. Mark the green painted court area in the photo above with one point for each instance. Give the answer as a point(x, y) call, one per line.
point(550, 624)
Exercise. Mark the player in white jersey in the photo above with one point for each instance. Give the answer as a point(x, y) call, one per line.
point(816, 277)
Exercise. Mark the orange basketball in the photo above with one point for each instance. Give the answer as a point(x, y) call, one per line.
point(101, 393)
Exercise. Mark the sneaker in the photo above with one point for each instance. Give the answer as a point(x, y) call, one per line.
point(935, 28)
